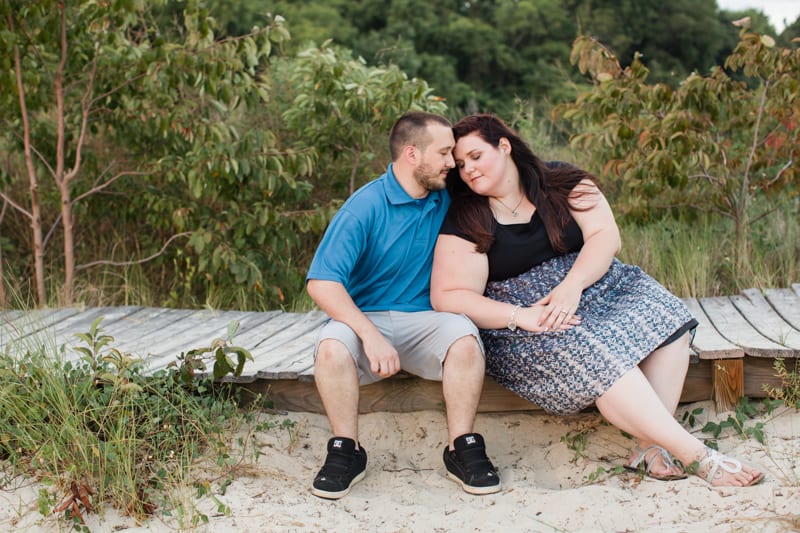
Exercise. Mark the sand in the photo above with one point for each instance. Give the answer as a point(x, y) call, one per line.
point(557, 473)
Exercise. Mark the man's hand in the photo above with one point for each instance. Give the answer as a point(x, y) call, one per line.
point(383, 358)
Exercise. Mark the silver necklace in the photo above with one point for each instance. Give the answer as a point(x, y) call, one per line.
point(515, 211)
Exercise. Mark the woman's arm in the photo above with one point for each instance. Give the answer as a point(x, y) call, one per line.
point(601, 242)
point(458, 282)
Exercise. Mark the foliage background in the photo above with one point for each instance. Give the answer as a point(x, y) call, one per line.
point(241, 125)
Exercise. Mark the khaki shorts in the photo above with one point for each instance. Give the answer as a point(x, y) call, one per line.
point(421, 339)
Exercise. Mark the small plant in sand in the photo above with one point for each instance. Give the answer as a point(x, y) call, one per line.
point(578, 442)
point(737, 422)
point(102, 432)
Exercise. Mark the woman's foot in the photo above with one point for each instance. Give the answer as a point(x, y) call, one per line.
point(655, 462)
point(719, 470)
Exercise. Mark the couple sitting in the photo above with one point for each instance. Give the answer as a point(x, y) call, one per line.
point(472, 255)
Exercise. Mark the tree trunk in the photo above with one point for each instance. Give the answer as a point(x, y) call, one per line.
point(63, 178)
point(68, 291)
point(35, 214)
point(3, 296)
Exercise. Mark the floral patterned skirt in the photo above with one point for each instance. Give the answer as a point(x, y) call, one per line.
point(624, 317)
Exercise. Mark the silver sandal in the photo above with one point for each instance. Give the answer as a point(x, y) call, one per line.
point(642, 465)
point(709, 467)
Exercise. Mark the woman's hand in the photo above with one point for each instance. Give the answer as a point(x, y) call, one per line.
point(560, 305)
point(533, 319)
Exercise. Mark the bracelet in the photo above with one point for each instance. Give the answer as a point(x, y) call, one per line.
point(512, 320)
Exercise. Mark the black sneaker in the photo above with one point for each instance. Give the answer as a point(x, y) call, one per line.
point(469, 466)
point(344, 467)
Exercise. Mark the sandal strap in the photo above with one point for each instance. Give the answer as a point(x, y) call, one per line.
point(642, 458)
point(716, 460)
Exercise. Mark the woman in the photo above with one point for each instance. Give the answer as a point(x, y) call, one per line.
point(527, 252)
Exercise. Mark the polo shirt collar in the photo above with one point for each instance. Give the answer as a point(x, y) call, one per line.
point(396, 194)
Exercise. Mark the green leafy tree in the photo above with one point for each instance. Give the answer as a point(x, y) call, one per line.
point(345, 109)
point(713, 143)
point(674, 38)
point(114, 105)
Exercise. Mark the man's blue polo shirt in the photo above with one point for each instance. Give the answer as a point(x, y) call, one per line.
point(379, 245)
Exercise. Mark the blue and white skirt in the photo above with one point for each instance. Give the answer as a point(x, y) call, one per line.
point(625, 315)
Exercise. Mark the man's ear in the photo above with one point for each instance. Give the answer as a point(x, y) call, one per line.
point(410, 154)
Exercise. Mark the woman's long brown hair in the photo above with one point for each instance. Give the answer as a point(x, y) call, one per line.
point(549, 188)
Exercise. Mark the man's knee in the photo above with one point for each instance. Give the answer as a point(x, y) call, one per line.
point(332, 352)
point(467, 348)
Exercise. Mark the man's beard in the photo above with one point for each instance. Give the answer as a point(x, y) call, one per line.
point(428, 178)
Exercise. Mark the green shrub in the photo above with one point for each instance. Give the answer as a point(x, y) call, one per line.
point(103, 431)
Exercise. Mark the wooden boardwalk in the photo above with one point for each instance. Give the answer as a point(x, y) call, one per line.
point(733, 351)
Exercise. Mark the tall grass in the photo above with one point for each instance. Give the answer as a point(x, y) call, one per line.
point(101, 432)
point(693, 257)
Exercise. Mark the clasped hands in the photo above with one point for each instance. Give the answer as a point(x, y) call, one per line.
point(554, 312)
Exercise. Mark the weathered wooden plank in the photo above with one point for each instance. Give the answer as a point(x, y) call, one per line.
point(296, 360)
point(8, 316)
point(253, 337)
point(282, 345)
point(758, 312)
point(389, 395)
point(290, 352)
point(200, 330)
point(276, 323)
point(786, 303)
point(16, 324)
point(796, 288)
point(253, 322)
point(125, 329)
point(32, 322)
point(302, 324)
point(707, 342)
point(410, 393)
point(82, 322)
point(734, 327)
point(135, 336)
point(64, 332)
point(281, 341)
point(760, 371)
point(698, 383)
point(279, 352)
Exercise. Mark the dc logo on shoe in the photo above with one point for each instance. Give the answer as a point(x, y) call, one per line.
point(470, 440)
point(337, 444)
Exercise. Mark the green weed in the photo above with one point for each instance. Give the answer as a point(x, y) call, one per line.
point(577, 441)
point(604, 473)
point(789, 390)
point(746, 410)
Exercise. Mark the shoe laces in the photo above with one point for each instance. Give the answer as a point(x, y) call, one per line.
point(474, 459)
point(338, 464)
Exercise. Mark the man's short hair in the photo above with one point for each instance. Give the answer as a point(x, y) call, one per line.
point(411, 130)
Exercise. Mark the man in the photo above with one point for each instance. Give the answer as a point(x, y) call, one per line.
point(371, 275)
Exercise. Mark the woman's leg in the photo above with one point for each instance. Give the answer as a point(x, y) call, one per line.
point(633, 406)
point(665, 370)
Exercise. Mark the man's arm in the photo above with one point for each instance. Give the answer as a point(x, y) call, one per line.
point(333, 299)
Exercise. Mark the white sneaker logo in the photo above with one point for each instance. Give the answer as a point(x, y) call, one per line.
point(337, 444)
point(470, 440)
